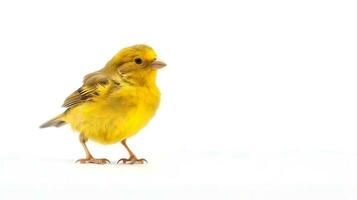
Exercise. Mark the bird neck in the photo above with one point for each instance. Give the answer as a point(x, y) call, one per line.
point(144, 78)
point(147, 78)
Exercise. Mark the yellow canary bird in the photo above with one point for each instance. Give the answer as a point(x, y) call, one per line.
point(115, 102)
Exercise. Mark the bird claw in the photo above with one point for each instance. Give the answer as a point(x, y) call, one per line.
point(132, 161)
point(100, 161)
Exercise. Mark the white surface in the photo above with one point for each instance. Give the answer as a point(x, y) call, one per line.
point(258, 99)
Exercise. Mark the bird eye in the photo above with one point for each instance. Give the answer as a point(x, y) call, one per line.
point(138, 61)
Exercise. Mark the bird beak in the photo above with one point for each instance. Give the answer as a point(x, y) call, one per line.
point(157, 64)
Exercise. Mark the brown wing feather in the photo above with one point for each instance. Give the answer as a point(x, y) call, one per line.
point(87, 91)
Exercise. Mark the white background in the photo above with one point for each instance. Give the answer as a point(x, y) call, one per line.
point(258, 99)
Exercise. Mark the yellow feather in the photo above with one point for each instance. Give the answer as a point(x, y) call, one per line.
point(113, 118)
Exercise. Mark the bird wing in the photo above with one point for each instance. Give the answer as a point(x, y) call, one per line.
point(92, 84)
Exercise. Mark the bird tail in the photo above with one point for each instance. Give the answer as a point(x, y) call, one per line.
point(56, 122)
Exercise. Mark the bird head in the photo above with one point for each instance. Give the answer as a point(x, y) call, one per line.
point(136, 63)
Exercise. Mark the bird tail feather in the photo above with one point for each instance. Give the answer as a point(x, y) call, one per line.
point(56, 122)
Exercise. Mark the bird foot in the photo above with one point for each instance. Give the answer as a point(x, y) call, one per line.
point(132, 160)
point(100, 161)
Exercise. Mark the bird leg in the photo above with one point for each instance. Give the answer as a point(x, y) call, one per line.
point(132, 158)
point(89, 158)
